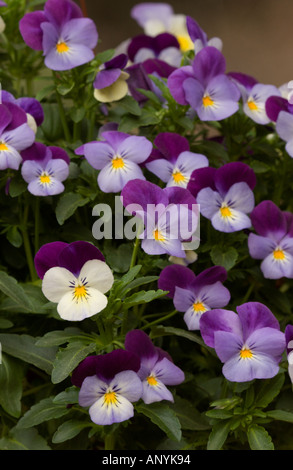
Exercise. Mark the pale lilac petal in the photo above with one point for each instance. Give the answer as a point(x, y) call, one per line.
point(235, 222)
point(80, 31)
point(260, 366)
point(98, 154)
point(260, 247)
point(20, 138)
point(111, 180)
point(268, 341)
point(38, 189)
point(227, 344)
point(147, 11)
point(219, 320)
point(161, 168)
point(106, 415)
point(128, 384)
point(91, 390)
point(176, 81)
point(189, 161)
point(240, 197)
point(276, 269)
point(183, 299)
point(255, 315)
point(155, 393)
point(210, 201)
point(10, 159)
point(78, 54)
point(214, 296)
point(135, 148)
point(284, 125)
point(192, 319)
point(168, 373)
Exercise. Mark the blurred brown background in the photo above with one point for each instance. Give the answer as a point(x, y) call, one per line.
point(257, 35)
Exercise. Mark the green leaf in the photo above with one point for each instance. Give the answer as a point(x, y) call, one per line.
point(162, 416)
point(65, 88)
point(190, 419)
point(69, 430)
point(267, 390)
point(11, 376)
point(44, 92)
point(51, 127)
point(143, 297)
point(224, 257)
point(159, 331)
point(131, 105)
point(58, 337)
point(280, 415)
point(20, 440)
point(10, 287)
point(219, 434)
point(14, 237)
point(67, 397)
point(24, 347)
point(259, 438)
point(43, 411)
point(68, 204)
point(68, 359)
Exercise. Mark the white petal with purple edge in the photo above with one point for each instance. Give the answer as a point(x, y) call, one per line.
point(113, 180)
point(192, 319)
point(77, 54)
point(261, 366)
point(155, 393)
point(10, 158)
point(36, 188)
point(273, 268)
point(234, 222)
point(102, 414)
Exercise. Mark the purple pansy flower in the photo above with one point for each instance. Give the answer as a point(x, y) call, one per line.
point(164, 47)
point(118, 157)
point(169, 215)
point(254, 96)
point(32, 107)
point(157, 18)
point(193, 294)
point(249, 344)
point(205, 86)
point(274, 240)
point(289, 349)
point(225, 195)
point(60, 31)
point(172, 160)
point(156, 367)
point(284, 128)
point(199, 37)
point(109, 384)
point(44, 168)
point(111, 81)
point(75, 276)
point(15, 135)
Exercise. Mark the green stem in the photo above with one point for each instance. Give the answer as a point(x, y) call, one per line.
point(37, 224)
point(26, 243)
point(134, 253)
point(160, 320)
point(110, 442)
point(62, 112)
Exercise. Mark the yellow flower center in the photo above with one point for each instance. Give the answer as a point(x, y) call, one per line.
point(207, 101)
point(117, 163)
point(80, 292)
point(45, 178)
point(252, 106)
point(3, 146)
point(151, 380)
point(110, 398)
point(225, 211)
point(199, 307)
point(158, 235)
point(62, 47)
point(185, 43)
point(279, 254)
point(246, 353)
point(178, 177)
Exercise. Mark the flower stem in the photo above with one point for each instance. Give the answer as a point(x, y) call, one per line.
point(160, 320)
point(62, 112)
point(110, 442)
point(134, 253)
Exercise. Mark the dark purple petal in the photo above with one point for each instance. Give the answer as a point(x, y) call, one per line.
point(171, 145)
point(18, 116)
point(37, 152)
point(143, 193)
point(59, 153)
point(47, 257)
point(33, 107)
point(140, 344)
point(174, 276)
point(138, 78)
point(76, 254)
point(194, 30)
point(175, 83)
point(254, 315)
point(246, 80)
point(207, 64)
point(182, 196)
point(87, 368)
point(139, 42)
point(5, 117)
point(289, 337)
point(231, 173)
point(30, 29)
point(159, 67)
point(219, 320)
point(268, 220)
point(202, 178)
point(275, 104)
point(117, 62)
point(114, 138)
point(60, 12)
point(210, 276)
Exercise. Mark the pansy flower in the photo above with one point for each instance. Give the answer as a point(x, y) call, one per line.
point(225, 195)
point(110, 83)
point(75, 276)
point(157, 369)
point(194, 294)
point(205, 86)
point(199, 37)
point(249, 344)
point(31, 106)
point(108, 384)
point(157, 18)
point(169, 215)
point(118, 156)
point(273, 242)
point(164, 47)
point(44, 169)
point(172, 161)
point(254, 96)
point(289, 349)
point(15, 135)
point(60, 31)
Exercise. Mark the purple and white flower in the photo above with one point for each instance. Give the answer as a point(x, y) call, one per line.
point(199, 37)
point(75, 276)
point(193, 294)
point(109, 384)
point(32, 107)
point(118, 156)
point(60, 31)
point(15, 135)
point(156, 367)
point(44, 169)
point(170, 216)
point(172, 161)
point(110, 83)
point(289, 349)
point(249, 344)
point(225, 195)
point(164, 47)
point(205, 86)
point(273, 243)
